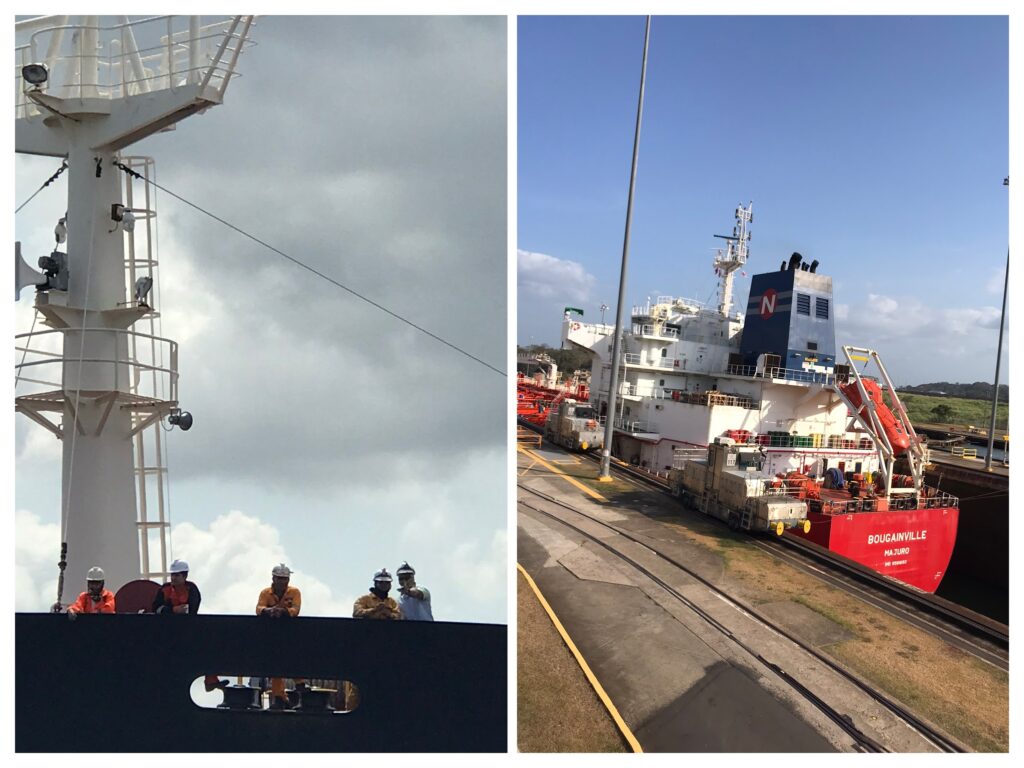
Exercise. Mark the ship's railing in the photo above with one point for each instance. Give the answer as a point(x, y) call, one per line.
point(787, 374)
point(644, 310)
point(45, 368)
point(932, 498)
point(937, 498)
point(783, 490)
point(635, 426)
point(633, 358)
point(627, 388)
point(128, 58)
point(707, 398)
point(648, 329)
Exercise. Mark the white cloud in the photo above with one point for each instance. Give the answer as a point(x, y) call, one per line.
point(479, 568)
point(231, 562)
point(996, 282)
point(549, 277)
point(882, 304)
point(917, 340)
point(36, 552)
point(40, 444)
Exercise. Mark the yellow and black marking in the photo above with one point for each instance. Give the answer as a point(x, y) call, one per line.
point(548, 465)
point(591, 678)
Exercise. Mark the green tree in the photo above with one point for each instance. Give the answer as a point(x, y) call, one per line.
point(942, 412)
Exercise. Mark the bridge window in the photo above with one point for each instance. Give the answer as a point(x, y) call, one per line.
point(812, 346)
point(821, 308)
point(664, 352)
point(803, 304)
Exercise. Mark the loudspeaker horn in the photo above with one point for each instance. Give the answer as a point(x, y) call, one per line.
point(24, 275)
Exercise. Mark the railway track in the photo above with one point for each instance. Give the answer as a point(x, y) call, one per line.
point(861, 741)
point(980, 636)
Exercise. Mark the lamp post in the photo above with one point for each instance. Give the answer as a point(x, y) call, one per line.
point(609, 428)
point(999, 355)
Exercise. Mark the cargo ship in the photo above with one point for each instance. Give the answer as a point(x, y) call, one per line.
point(818, 430)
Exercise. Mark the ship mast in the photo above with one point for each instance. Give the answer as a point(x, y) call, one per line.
point(733, 256)
point(85, 91)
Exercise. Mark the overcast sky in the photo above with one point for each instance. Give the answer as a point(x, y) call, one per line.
point(874, 144)
point(327, 434)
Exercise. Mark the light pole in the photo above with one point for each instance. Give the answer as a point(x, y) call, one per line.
point(603, 308)
point(606, 451)
point(999, 355)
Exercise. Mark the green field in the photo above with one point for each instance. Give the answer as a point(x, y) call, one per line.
point(954, 411)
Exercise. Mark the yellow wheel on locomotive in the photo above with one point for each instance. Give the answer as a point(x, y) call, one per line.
point(779, 528)
point(807, 526)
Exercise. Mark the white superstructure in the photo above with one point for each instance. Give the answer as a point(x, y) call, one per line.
point(683, 384)
point(87, 88)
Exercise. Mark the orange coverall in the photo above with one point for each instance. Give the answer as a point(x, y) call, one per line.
point(85, 603)
point(291, 600)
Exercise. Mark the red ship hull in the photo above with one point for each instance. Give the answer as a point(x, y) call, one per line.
point(913, 546)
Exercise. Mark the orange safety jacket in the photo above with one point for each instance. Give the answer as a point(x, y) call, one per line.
point(85, 603)
point(373, 606)
point(292, 600)
point(168, 597)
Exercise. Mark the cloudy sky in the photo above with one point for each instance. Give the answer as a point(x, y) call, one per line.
point(877, 145)
point(327, 434)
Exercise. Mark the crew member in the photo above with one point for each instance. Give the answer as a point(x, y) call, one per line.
point(277, 601)
point(181, 597)
point(413, 601)
point(377, 604)
point(95, 599)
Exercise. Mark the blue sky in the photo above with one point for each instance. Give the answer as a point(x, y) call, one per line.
point(876, 145)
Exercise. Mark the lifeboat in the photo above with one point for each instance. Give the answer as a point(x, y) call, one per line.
point(894, 430)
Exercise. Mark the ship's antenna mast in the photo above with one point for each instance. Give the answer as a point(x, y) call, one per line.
point(733, 256)
point(86, 90)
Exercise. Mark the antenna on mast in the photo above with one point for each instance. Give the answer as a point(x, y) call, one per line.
point(733, 256)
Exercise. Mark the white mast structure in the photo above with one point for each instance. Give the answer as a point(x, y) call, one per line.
point(733, 256)
point(85, 91)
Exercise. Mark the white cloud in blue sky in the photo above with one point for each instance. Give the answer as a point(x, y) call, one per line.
point(549, 277)
point(874, 144)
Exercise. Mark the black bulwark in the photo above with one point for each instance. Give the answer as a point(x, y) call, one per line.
point(424, 686)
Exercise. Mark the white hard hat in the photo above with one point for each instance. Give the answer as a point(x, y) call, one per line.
point(95, 574)
point(179, 566)
point(405, 568)
point(281, 570)
point(382, 575)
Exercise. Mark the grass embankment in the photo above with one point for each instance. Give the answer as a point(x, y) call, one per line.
point(963, 696)
point(558, 710)
point(954, 412)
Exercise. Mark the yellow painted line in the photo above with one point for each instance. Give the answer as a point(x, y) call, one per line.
point(557, 471)
point(858, 357)
point(598, 688)
point(528, 468)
